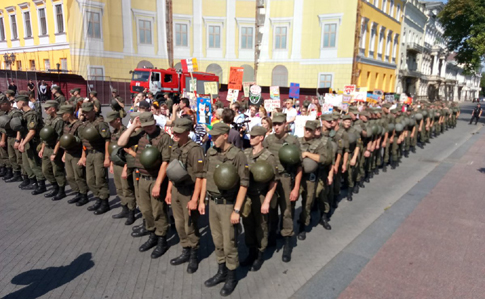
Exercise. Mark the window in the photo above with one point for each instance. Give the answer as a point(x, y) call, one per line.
point(280, 37)
point(47, 64)
point(280, 76)
point(363, 35)
point(329, 35)
point(94, 25)
point(28, 28)
point(96, 73)
point(19, 65)
point(181, 35)
point(246, 37)
point(381, 43)
point(32, 65)
point(391, 10)
point(13, 23)
point(384, 6)
point(394, 50)
point(372, 39)
point(388, 45)
point(145, 28)
point(42, 21)
point(63, 63)
point(215, 69)
point(59, 18)
point(2, 30)
point(398, 12)
point(325, 81)
point(214, 36)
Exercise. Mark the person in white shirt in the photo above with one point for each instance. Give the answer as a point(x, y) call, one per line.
point(160, 119)
point(254, 120)
point(291, 114)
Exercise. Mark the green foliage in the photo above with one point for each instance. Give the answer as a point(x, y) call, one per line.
point(464, 24)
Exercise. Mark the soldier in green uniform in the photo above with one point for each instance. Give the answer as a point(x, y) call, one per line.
point(76, 97)
point(152, 182)
point(13, 140)
point(93, 96)
point(259, 197)
point(387, 119)
point(95, 138)
point(28, 147)
point(354, 154)
point(58, 95)
point(325, 174)
point(124, 186)
point(74, 156)
point(225, 205)
point(51, 152)
point(4, 119)
point(288, 188)
point(317, 152)
point(341, 138)
point(117, 103)
point(186, 173)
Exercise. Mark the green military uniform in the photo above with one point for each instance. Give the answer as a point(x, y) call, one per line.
point(54, 171)
point(4, 162)
point(115, 106)
point(222, 202)
point(96, 175)
point(60, 99)
point(31, 161)
point(14, 156)
point(341, 138)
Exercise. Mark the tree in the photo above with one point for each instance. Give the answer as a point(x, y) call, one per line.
point(464, 29)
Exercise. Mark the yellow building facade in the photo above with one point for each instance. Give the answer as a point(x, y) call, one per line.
point(379, 44)
point(310, 42)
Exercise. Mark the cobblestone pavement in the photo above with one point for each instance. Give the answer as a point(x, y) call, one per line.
point(55, 250)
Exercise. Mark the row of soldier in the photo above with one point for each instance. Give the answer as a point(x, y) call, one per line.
point(153, 170)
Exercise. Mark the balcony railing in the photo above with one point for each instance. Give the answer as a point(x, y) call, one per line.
point(414, 47)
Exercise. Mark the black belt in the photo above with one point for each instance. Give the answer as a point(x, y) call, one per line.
point(220, 200)
point(93, 151)
point(148, 177)
point(285, 175)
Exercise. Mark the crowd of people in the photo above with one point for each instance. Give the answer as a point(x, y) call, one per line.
point(246, 164)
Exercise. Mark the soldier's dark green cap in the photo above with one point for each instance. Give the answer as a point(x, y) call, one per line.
point(364, 113)
point(258, 131)
point(311, 124)
point(93, 92)
point(71, 91)
point(353, 109)
point(56, 88)
point(386, 105)
point(346, 116)
point(21, 98)
point(9, 92)
point(51, 103)
point(133, 115)
point(336, 116)
point(319, 123)
point(87, 106)
point(112, 115)
point(147, 119)
point(3, 99)
point(326, 117)
point(76, 89)
point(114, 90)
point(219, 129)
point(181, 125)
point(279, 117)
point(66, 109)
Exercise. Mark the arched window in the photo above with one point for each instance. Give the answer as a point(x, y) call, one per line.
point(280, 76)
point(144, 64)
point(248, 73)
point(215, 69)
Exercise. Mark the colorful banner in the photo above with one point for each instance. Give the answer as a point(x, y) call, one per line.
point(211, 88)
point(327, 108)
point(189, 65)
point(349, 89)
point(274, 92)
point(236, 75)
point(294, 90)
point(270, 105)
point(232, 95)
point(346, 99)
point(373, 98)
point(255, 97)
point(389, 98)
point(204, 111)
point(333, 99)
point(378, 92)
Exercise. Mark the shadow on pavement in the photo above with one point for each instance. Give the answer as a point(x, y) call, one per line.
point(39, 282)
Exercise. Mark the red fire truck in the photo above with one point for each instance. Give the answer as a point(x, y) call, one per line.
point(170, 80)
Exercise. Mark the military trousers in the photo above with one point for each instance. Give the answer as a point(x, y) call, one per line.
point(337, 179)
point(223, 234)
point(186, 225)
point(256, 226)
point(154, 210)
point(96, 175)
point(31, 162)
point(53, 170)
point(75, 174)
point(124, 187)
point(14, 156)
point(286, 207)
point(322, 193)
point(4, 162)
point(308, 191)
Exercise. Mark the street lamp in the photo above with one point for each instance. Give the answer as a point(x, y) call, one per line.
point(9, 59)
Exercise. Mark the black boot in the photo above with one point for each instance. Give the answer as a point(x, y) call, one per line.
point(3, 171)
point(183, 258)
point(324, 222)
point(367, 178)
point(40, 188)
point(32, 185)
point(393, 164)
point(249, 260)
point(302, 233)
point(75, 199)
point(139, 226)
point(140, 233)
point(8, 174)
point(84, 200)
point(286, 257)
point(413, 149)
point(218, 278)
point(258, 262)
point(356, 188)
point(96, 205)
point(15, 178)
point(193, 261)
point(162, 247)
point(60, 194)
point(131, 217)
point(150, 243)
point(361, 184)
point(25, 182)
point(350, 192)
point(376, 171)
point(55, 189)
point(103, 207)
point(384, 168)
point(122, 214)
point(272, 239)
point(230, 284)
